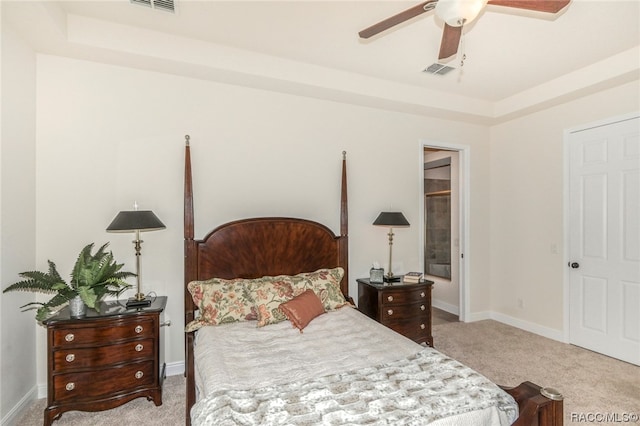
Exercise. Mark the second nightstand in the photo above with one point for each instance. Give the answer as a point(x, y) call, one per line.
point(405, 308)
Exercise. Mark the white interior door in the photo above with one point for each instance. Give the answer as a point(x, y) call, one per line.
point(604, 246)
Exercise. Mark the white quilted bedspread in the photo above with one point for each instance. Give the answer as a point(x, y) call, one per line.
point(345, 369)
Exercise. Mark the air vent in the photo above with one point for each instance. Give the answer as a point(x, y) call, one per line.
point(167, 5)
point(437, 68)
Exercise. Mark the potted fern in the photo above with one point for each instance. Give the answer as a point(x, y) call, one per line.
point(93, 277)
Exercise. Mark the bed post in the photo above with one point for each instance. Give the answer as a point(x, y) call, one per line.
point(344, 228)
point(538, 406)
point(190, 274)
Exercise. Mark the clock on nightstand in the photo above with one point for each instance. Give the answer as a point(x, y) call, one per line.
point(404, 308)
point(111, 356)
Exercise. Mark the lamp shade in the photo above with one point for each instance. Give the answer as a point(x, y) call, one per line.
point(392, 220)
point(136, 220)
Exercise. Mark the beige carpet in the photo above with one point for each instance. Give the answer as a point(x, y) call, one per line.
point(591, 383)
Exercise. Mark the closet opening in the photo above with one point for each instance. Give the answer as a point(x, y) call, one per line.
point(441, 224)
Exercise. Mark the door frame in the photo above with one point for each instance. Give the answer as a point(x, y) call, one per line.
point(566, 198)
point(464, 156)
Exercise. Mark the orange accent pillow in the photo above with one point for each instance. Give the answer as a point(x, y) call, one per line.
point(302, 309)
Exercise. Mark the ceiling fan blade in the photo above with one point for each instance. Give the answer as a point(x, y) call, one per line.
point(398, 19)
point(450, 41)
point(549, 6)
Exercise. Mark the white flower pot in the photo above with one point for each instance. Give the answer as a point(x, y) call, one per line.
point(77, 308)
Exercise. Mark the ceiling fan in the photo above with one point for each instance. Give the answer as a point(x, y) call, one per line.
point(455, 14)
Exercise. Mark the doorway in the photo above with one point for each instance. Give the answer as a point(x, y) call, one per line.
point(439, 232)
point(603, 237)
point(443, 172)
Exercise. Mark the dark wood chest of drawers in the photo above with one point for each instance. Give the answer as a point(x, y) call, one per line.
point(405, 308)
point(106, 359)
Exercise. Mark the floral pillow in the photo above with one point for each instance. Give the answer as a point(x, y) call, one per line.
point(268, 293)
point(325, 283)
point(221, 302)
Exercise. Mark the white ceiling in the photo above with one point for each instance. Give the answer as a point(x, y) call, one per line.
point(515, 60)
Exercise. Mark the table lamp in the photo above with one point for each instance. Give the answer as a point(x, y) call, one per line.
point(391, 220)
point(136, 221)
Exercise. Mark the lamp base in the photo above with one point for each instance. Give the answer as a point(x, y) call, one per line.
point(135, 303)
point(393, 279)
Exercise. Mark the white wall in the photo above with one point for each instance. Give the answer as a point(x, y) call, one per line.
point(108, 136)
point(17, 223)
point(527, 206)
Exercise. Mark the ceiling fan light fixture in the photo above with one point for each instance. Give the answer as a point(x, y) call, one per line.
point(459, 12)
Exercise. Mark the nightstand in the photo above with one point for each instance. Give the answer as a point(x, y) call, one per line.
point(108, 358)
point(404, 308)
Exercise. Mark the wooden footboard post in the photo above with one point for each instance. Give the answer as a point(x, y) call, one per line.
point(538, 406)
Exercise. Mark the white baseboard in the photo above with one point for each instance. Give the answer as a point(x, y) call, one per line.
point(42, 391)
point(540, 330)
point(444, 306)
point(175, 368)
point(479, 316)
point(12, 417)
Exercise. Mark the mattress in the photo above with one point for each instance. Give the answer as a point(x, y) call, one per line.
point(343, 369)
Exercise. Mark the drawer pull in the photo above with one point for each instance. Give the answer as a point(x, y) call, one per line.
point(422, 308)
point(422, 326)
point(390, 298)
point(70, 357)
point(390, 311)
point(139, 347)
point(70, 386)
point(139, 374)
point(422, 294)
point(138, 329)
point(69, 337)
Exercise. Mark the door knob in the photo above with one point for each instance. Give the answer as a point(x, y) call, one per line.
point(574, 265)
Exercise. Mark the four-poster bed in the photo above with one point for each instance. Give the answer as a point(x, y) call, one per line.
point(238, 371)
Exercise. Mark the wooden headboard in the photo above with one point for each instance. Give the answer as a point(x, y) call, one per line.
point(256, 247)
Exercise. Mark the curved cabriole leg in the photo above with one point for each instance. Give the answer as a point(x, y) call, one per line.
point(51, 415)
